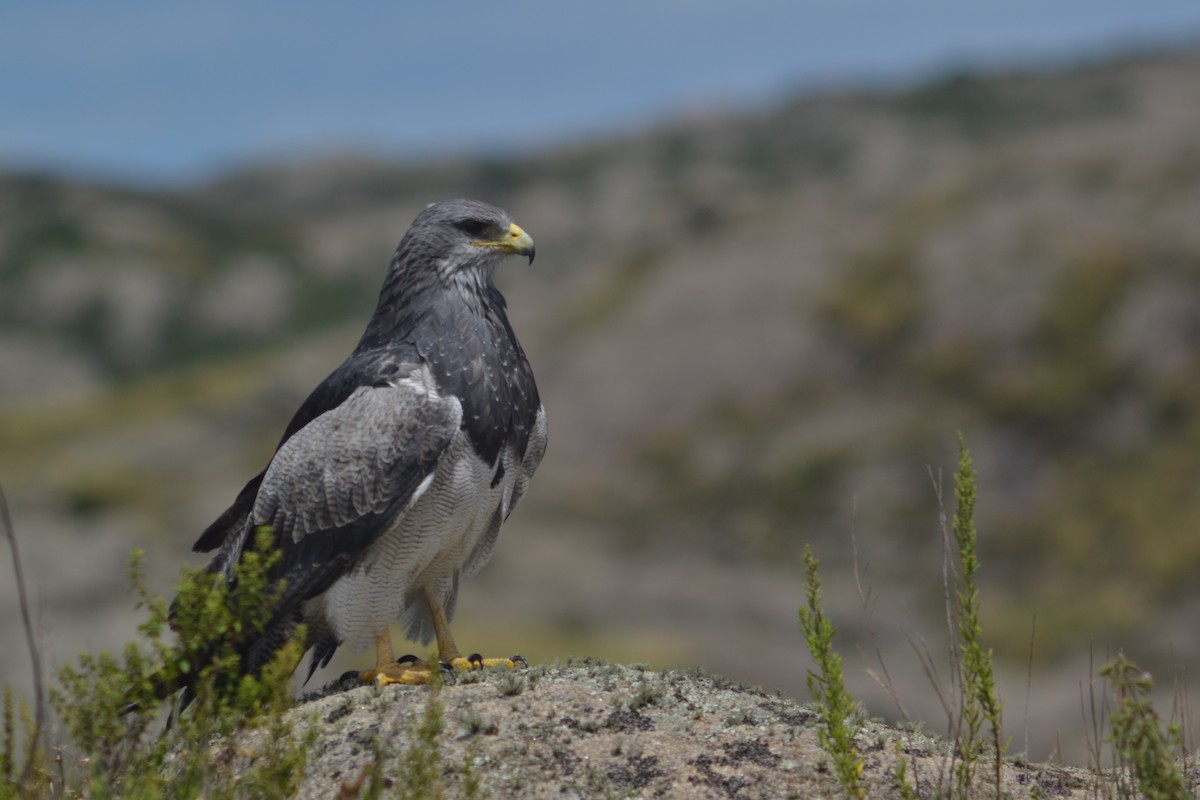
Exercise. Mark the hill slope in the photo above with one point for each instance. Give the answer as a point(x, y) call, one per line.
point(751, 332)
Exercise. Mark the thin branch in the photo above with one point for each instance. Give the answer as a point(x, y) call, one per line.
point(869, 601)
point(30, 640)
point(949, 573)
point(950, 756)
point(863, 596)
point(1029, 683)
point(952, 701)
point(1025, 761)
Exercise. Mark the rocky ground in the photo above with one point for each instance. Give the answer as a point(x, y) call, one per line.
point(594, 729)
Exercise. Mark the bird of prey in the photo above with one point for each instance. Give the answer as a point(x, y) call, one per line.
point(395, 475)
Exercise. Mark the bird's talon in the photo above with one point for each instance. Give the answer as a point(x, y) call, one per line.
point(475, 660)
point(518, 659)
point(409, 671)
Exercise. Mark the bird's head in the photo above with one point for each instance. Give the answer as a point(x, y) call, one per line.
point(450, 251)
point(464, 236)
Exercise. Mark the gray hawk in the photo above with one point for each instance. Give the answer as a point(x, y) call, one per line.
point(394, 477)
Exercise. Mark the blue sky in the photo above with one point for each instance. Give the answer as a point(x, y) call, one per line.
point(167, 90)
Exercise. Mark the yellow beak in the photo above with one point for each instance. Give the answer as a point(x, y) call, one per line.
point(516, 241)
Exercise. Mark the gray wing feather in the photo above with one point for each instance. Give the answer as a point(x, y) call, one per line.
point(534, 451)
point(536, 448)
point(358, 459)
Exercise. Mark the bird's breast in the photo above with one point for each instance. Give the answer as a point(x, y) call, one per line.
point(426, 546)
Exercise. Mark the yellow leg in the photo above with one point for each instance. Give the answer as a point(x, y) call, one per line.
point(388, 671)
point(383, 650)
point(447, 651)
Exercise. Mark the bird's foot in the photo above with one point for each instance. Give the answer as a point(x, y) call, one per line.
point(476, 661)
point(407, 670)
point(412, 671)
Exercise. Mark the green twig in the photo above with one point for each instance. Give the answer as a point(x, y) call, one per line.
point(835, 705)
point(981, 703)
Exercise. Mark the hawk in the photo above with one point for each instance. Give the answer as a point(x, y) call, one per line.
point(394, 477)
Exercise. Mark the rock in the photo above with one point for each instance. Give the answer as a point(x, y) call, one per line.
point(593, 729)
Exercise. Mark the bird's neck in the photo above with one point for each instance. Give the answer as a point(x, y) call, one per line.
point(417, 307)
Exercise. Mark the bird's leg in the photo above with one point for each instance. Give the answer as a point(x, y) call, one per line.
point(383, 649)
point(448, 651)
point(387, 669)
point(410, 670)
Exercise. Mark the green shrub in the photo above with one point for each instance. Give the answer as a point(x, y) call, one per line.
point(1141, 745)
point(112, 708)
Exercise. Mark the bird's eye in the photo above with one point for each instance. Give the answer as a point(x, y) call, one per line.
point(475, 228)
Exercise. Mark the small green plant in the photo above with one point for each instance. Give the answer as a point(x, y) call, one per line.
point(421, 761)
point(373, 774)
point(835, 706)
point(648, 693)
point(1141, 744)
point(980, 701)
point(474, 723)
point(511, 684)
point(472, 784)
point(233, 740)
point(23, 770)
point(900, 775)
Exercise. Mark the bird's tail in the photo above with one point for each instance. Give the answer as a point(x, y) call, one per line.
point(226, 627)
point(178, 674)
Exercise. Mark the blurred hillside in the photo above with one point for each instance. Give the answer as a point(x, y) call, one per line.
point(751, 332)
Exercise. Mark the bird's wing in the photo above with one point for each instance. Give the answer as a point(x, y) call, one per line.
point(535, 449)
point(327, 396)
point(342, 480)
point(371, 368)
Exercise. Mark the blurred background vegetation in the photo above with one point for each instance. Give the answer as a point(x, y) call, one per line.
point(753, 331)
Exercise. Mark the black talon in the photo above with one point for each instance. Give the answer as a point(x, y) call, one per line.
point(476, 660)
point(349, 676)
point(408, 659)
point(518, 659)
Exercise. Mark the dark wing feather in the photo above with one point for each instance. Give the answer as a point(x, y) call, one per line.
point(232, 519)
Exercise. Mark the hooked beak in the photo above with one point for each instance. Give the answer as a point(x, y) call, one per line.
point(516, 242)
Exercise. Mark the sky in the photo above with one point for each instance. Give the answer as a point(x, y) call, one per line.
point(171, 91)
